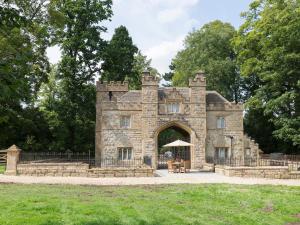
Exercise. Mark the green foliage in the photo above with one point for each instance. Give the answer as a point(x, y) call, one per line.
point(119, 57)
point(140, 64)
point(268, 47)
point(23, 68)
point(210, 204)
point(209, 49)
point(69, 97)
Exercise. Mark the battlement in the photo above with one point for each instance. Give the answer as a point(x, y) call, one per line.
point(228, 106)
point(148, 79)
point(117, 86)
point(198, 81)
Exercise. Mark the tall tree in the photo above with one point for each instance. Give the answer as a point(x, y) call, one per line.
point(268, 47)
point(23, 67)
point(119, 56)
point(209, 49)
point(79, 35)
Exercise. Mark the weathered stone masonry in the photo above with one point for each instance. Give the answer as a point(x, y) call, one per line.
point(147, 110)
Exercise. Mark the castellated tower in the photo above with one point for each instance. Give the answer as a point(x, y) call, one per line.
point(197, 118)
point(107, 94)
point(149, 113)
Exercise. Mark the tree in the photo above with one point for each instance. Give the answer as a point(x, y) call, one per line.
point(140, 64)
point(268, 48)
point(209, 49)
point(79, 35)
point(119, 56)
point(23, 67)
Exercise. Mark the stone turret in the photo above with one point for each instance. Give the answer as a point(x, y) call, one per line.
point(198, 81)
point(149, 112)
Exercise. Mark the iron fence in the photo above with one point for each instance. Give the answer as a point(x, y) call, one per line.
point(118, 163)
point(3, 157)
point(82, 157)
point(68, 156)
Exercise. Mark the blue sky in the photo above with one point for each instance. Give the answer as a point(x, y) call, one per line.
point(158, 27)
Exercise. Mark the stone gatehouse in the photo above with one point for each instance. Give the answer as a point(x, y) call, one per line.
point(128, 122)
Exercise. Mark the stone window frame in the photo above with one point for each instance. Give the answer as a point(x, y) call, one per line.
point(217, 152)
point(125, 153)
point(221, 122)
point(123, 125)
point(174, 101)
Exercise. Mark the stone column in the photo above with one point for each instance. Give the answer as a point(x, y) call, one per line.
point(13, 154)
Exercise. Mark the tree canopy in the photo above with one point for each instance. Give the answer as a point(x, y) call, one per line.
point(268, 48)
point(209, 49)
point(119, 56)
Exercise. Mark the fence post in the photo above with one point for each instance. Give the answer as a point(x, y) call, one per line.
point(13, 154)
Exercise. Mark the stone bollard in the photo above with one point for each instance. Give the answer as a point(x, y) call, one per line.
point(13, 154)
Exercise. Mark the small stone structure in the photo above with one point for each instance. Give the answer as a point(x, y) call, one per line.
point(13, 154)
point(147, 113)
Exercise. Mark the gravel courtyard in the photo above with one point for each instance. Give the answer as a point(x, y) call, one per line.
point(163, 177)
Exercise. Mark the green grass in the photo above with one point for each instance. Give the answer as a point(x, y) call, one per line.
point(2, 169)
point(145, 205)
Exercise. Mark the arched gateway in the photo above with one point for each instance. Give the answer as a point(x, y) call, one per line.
point(170, 132)
point(128, 123)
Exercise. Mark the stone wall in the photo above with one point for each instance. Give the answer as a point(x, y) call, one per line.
point(79, 170)
point(216, 137)
point(273, 172)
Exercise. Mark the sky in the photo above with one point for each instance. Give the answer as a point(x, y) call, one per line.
point(158, 27)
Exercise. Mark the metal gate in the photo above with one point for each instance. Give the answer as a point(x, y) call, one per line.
point(3, 157)
point(163, 158)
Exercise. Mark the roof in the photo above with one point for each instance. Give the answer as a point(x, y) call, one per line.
point(132, 96)
point(214, 97)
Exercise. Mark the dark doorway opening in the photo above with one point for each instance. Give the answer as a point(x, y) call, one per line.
point(169, 135)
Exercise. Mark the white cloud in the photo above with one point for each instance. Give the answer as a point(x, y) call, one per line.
point(162, 53)
point(174, 3)
point(169, 15)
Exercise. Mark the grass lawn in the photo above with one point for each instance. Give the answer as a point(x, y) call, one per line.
point(2, 169)
point(169, 204)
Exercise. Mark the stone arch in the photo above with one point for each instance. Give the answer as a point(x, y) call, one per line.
point(167, 125)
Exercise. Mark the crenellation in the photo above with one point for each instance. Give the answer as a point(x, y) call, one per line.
point(198, 81)
point(112, 86)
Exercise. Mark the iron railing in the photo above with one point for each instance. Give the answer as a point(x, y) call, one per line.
point(118, 163)
point(3, 157)
point(82, 157)
point(68, 156)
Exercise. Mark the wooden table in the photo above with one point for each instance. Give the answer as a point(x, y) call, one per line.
point(177, 164)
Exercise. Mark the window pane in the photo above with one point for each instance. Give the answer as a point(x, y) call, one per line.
point(220, 122)
point(120, 154)
point(129, 153)
point(125, 122)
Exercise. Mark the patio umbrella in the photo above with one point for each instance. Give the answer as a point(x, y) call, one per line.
point(178, 143)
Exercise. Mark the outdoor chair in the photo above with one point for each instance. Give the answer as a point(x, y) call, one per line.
point(185, 167)
point(171, 167)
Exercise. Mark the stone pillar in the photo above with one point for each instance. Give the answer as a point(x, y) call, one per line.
point(197, 118)
point(149, 115)
point(13, 154)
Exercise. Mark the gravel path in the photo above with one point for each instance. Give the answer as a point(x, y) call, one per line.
point(192, 178)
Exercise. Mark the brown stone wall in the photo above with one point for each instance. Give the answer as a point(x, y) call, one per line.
point(79, 170)
point(273, 172)
point(216, 137)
